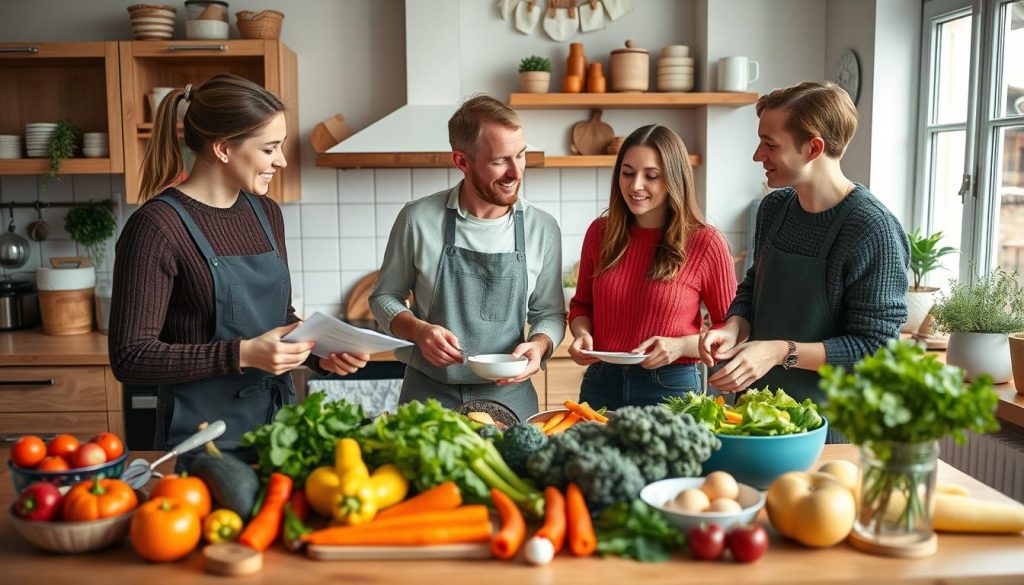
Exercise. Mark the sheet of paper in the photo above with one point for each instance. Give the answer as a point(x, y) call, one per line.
point(335, 336)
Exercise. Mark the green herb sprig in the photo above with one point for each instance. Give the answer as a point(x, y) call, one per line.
point(91, 224)
point(992, 304)
point(635, 530)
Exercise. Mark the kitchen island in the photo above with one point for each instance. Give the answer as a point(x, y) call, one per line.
point(983, 559)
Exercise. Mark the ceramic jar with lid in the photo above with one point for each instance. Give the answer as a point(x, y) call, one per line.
point(629, 69)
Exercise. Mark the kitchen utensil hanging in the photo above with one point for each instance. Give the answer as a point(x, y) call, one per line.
point(561, 20)
point(527, 16)
point(591, 15)
point(592, 136)
point(140, 471)
point(39, 230)
point(14, 250)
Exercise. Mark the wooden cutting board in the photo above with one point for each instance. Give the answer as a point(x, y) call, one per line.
point(592, 136)
point(476, 550)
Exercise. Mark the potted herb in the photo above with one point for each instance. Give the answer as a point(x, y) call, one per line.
point(925, 253)
point(897, 405)
point(63, 144)
point(91, 224)
point(979, 317)
point(535, 74)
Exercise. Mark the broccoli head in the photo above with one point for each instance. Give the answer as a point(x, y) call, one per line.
point(604, 477)
point(547, 464)
point(518, 443)
point(662, 444)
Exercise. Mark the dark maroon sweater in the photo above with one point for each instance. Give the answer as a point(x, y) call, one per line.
point(162, 313)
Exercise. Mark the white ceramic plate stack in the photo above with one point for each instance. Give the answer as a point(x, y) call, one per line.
point(675, 69)
point(95, 145)
point(37, 138)
point(10, 146)
point(152, 21)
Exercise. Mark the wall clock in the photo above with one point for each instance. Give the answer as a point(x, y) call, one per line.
point(848, 74)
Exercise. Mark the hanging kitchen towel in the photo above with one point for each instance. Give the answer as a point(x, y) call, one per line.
point(591, 15)
point(561, 21)
point(507, 8)
point(618, 8)
point(527, 16)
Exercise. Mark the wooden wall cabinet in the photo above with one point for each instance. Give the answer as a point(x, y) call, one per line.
point(47, 82)
point(149, 64)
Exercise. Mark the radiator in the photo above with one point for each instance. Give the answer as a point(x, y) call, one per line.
point(995, 459)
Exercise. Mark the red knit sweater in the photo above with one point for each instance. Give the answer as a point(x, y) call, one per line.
point(626, 308)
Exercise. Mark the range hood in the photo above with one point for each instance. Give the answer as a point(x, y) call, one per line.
point(416, 135)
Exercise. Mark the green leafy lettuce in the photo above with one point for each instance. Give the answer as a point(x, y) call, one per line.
point(761, 413)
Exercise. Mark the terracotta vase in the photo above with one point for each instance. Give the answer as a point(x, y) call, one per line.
point(576, 64)
point(595, 79)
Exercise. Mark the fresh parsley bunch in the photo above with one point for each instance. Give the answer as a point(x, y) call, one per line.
point(635, 530)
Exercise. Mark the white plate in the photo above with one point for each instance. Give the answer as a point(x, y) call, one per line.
point(621, 358)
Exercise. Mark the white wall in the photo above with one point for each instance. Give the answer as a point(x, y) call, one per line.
point(851, 26)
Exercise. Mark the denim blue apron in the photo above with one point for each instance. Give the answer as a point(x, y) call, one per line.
point(481, 298)
point(251, 296)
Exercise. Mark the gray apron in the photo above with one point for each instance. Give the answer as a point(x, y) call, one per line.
point(251, 296)
point(790, 302)
point(481, 298)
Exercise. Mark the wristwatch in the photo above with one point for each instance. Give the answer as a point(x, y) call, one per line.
point(791, 358)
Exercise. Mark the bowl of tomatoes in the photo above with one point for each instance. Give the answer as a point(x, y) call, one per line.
point(64, 460)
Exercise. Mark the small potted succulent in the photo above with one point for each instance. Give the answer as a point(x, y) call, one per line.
point(535, 74)
point(979, 317)
point(925, 253)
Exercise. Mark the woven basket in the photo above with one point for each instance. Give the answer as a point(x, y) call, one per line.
point(265, 24)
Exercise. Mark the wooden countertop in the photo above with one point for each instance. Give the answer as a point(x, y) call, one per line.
point(32, 347)
point(960, 559)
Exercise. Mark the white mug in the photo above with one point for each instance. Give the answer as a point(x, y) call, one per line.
point(735, 73)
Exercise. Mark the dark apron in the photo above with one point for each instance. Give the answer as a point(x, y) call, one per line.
point(791, 302)
point(481, 298)
point(251, 295)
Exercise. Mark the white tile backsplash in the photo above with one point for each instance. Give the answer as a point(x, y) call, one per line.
point(356, 221)
point(571, 247)
point(577, 216)
point(355, 186)
point(359, 254)
point(542, 184)
point(579, 185)
point(292, 213)
point(386, 215)
point(321, 288)
point(320, 254)
point(294, 252)
point(393, 186)
point(552, 207)
point(319, 185)
point(428, 181)
point(89, 187)
point(18, 188)
point(319, 220)
point(61, 188)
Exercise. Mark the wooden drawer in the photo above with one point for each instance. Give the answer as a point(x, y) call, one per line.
point(52, 389)
point(563, 383)
point(83, 425)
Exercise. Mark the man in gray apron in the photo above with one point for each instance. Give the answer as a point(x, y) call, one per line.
point(829, 279)
point(482, 264)
point(251, 295)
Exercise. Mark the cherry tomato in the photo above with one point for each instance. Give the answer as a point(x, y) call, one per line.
point(111, 443)
point(63, 446)
point(28, 452)
point(747, 543)
point(53, 463)
point(707, 541)
point(88, 455)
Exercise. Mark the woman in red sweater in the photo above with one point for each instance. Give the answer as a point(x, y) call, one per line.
point(647, 265)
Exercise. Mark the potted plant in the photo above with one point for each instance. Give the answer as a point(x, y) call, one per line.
point(979, 317)
point(569, 280)
point(63, 144)
point(535, 74)
point(925, 253)
point(91, 224)
point(897, 405)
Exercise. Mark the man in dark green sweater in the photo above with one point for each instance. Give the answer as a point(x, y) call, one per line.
point(829, 279)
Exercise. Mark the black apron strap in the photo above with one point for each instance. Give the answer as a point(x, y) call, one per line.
point(264, 221)
point(190, 225)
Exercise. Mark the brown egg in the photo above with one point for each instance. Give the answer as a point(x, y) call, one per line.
point(724, 505)
point(719, 484)
point(691, 501)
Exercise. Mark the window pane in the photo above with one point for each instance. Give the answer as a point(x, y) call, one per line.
point(1011, 89)
point(947, 210)
point(953, 70)
point(1010, 190)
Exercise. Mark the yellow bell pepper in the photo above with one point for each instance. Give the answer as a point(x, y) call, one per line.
point(222, 525)
point(321, 490)
point(362, 495)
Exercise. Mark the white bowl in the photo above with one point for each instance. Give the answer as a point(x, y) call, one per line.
point(621, 358)
point(497, 366)
point(206, 29)
point(657, 494)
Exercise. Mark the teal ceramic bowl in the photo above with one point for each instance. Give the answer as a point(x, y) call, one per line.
point(23, 477)
point(757, 461)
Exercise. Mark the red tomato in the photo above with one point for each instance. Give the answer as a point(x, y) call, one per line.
point(707, 541)
point(38, 501)
point(62, 446)
point(28, 452)
point(88, 455)
point(53, 463)
point(747, 543)
point(111, 443)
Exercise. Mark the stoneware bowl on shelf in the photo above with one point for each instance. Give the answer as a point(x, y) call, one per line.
point(23, 477)
point(660, 494)
point(757, 461)
point(72, 537)
point(497, 366)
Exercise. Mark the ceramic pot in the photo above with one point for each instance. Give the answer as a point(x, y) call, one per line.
point(981, 353)
point(919, 304)
point(629, 69)
point(535, 81)
point(1017, 361)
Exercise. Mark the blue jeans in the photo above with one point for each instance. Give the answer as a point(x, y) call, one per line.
point(613, 386)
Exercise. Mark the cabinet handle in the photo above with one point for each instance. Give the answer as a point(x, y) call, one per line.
point(19, 49)
point(50, 382)
point(11, 438)
point(174, 48)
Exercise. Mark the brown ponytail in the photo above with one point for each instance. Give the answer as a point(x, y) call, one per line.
point(224, 107)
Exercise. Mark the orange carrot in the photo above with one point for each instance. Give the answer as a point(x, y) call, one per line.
point(459, 516)
point(567, 422)
point(733, 417)
point(554, 518)
point(585, 411)
point(412, 535)
point(720, 400)
point(507, 541)
point(582, 541)
point(262, 530)
point(445, 496)
point(554, 420)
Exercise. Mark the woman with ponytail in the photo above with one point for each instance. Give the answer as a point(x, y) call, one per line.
point(647, 265)
point(202, 292)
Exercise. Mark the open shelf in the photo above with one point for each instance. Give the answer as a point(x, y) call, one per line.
point(597, 160)
point(525, 101)
point(401, 160)
point(71, 166)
